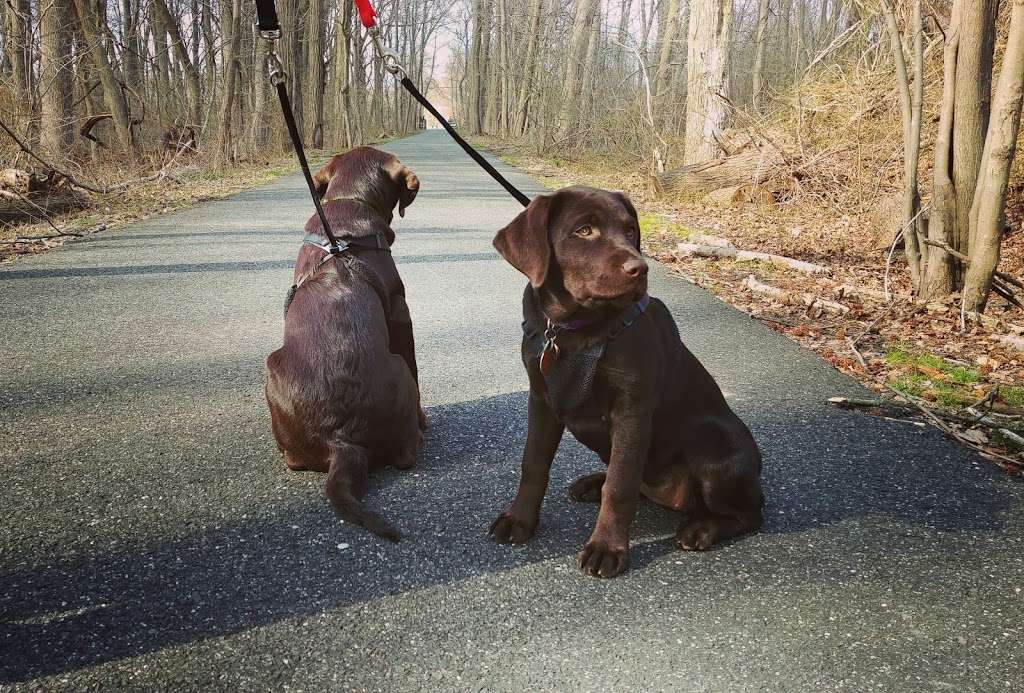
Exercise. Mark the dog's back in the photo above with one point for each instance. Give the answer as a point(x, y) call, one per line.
point(342, 390)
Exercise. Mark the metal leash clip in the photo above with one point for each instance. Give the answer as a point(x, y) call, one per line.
point(390, 58)
point(274, 67)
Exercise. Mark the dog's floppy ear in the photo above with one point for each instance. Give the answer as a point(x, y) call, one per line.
point(628, 204)
point(407, 182)
point(322, 178)
point(525, 243)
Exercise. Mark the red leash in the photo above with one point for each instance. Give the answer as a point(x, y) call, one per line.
point(367, 15)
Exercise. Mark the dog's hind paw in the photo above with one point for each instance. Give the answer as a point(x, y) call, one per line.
point(587, 489)
point(698, 535)
point(510, 528)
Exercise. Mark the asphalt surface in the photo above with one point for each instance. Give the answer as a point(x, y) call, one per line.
point(151, 537)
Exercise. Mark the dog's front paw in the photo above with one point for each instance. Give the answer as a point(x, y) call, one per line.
point(512, 527)
point(603, 558)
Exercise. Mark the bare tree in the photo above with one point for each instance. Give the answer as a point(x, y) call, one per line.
point(56, 83)
point(707, 78)
point(112, 92)
point(760, 42)
point(313, 76)
point(666, 41)
point(989, 202)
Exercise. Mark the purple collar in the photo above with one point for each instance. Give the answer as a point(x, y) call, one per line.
point(631, 313)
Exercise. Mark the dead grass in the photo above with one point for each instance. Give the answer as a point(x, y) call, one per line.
point(189, 183)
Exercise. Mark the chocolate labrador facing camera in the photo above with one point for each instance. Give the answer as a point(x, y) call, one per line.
point(605, 360)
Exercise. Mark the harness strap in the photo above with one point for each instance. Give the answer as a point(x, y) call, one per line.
point(358, 269)
point(375, 241)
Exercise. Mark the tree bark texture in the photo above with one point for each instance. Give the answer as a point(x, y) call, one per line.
point(707, 78)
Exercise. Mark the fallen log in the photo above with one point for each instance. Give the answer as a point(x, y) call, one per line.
point(40, 206)
point(732, 253)
point(815, 305)
point(752, 166)
point(736, 195)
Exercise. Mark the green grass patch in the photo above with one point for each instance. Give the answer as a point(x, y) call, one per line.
point(1012, 395)
point(933, 377)
point(656, 223)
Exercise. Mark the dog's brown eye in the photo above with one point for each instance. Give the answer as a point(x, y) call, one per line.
point(586, 231)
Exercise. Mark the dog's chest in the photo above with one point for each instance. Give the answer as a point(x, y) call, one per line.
point(592, 430)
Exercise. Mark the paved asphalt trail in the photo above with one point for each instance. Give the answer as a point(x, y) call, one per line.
point(152, 538)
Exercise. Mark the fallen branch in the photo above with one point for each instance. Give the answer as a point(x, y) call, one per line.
point(25, 148)
point(870, 327)
point(969, 419)
point(41, 239)
point(813, 303)
point(731, 253)
point(162, 174)
point(844, 290)
point(998, 286)
point(938, 418)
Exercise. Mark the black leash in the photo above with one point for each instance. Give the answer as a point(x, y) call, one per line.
point(466, 146)
point(270, 29)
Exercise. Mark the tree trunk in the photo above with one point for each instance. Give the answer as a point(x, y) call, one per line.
point(799, 48)
point(972, 107)
point(18, 47)
point(578, 42)
point(476, 65)
point(193, 86)
point(590, 66)
point(231, 27)
point(759, 45)
point(939, 278)
point(340, 78)
point(910, 105)
point(130, 66)
point(1000, 146)
point(314, 75)
point(749, 167)
point(56, 84)
point(666, 42)
point(111, 88)
point(164, 88)
point(707, 78)
point(622, 35)
point(526, 85)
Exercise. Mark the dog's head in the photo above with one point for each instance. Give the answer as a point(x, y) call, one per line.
point(584, 240)
point(377, 177)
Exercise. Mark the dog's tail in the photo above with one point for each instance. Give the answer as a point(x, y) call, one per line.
point(346, 485)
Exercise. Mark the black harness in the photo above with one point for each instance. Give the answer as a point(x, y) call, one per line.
point(570, 377)
point(359, 269)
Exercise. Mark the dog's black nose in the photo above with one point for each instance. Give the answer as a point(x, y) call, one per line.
point(634, 267)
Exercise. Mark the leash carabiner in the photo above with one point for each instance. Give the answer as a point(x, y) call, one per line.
point(275, 69)
point(389, 57)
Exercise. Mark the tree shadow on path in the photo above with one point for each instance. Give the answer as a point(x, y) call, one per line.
point(823, 467)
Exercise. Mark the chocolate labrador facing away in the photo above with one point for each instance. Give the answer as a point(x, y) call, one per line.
point(343, 391)
point(605, 360)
